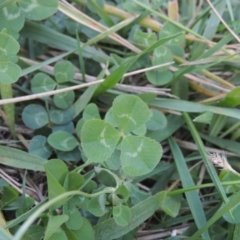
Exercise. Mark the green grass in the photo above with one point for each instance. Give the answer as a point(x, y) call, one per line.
point(119, 120)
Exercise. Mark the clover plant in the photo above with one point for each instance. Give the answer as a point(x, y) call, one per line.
point(100, 138)
point(117, 148)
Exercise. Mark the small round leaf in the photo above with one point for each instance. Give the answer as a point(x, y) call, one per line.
point(11, 18)
point(63, 71)
point(122, 215)
point(91, 111)
point(129, 112)
point(64, 100)
point(34, 116)
point(72, 156)
point(8, 45)
point(156, 121)
point(162, 55)
point(41, 82)
point(159, 78)
point(95, 208)
point(69, 127)
point(38, 9)
point(140, 155)
point(109, 118)
point(99, 139)
point(232, 216)
point(10, 72)
point(38, 146)
point(62, 141)
point(61, 117)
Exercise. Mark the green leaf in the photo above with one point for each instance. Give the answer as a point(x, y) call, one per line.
point(171, 205)
point(91, 111)
point(60, 116)
point(62, 141)
point(20, 159)
point(110, 118)
point(159, 78)
point(236, 234)
point(204, 118)
point(147, 97)
point(231, 99)
point(38, 9)
point(10, 72)
point(64, 100)
point(139, 155)
point(136, 195)
point(83, 100)
point(113, 163)
point(85, 232)
point(9, 195)
point(24, 216)
point(73, 181)
point(162, 55)
point(73, 155)
point(59, 234)
point(95, 208)
point(75, 219)
point(54, 222)
point(141, 131)
point(129, 112)
point(34, 116)
point(122, 215)
point(232, 216)
point(69, 127)
point(156, 121)
point(123, 193)
point(55, 170)
point(11, 18)
point(58, 169)
point(41, 82)
point(64, 71)
point(162, 75)
point(173, 124)
point(99, 140)
point(106, 177)
point(38, 146)
point(35, 232)
point(145, 39)
point(139, 212)
point(8, 46)
point(168, 29)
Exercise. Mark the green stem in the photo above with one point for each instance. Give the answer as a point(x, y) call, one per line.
point(19, 234)
point(207, 185)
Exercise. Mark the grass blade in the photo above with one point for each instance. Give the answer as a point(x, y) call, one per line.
point(208, 164)
point(20, 159)
point(187, 181)
point(227, 207)
point(186, 106)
